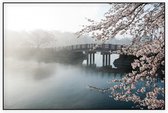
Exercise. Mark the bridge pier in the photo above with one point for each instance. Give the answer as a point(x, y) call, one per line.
point(91, 58)
point(106, 58)
point(103, 60)
point(109, 60)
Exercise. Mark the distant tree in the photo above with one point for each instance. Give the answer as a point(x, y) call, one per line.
point(40, 39)
point(145, 23)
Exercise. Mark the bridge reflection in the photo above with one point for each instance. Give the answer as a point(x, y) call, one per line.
point(106, 69)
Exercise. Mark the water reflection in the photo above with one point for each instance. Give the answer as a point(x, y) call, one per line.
point(59, 86)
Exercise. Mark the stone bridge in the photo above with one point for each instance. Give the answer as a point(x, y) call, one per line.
point(90, 50)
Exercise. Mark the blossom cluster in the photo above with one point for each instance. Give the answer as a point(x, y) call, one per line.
point(145, 23)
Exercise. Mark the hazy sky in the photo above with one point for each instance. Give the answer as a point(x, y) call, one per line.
point(62, 17)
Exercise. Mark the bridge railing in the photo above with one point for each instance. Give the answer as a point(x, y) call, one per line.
point(105, 47)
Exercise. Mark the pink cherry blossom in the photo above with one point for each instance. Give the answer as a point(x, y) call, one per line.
point(145, 23)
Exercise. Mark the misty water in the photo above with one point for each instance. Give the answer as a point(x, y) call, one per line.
point(38, 85)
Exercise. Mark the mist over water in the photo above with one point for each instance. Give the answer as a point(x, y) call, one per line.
point(34, 85)
point(35, 80)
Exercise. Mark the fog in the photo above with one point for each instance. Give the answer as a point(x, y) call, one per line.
point(42, 78)
point(50, 39)
point(43, 39)
point(31, 44)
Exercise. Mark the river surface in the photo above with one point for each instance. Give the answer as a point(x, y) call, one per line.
point(34, 85)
